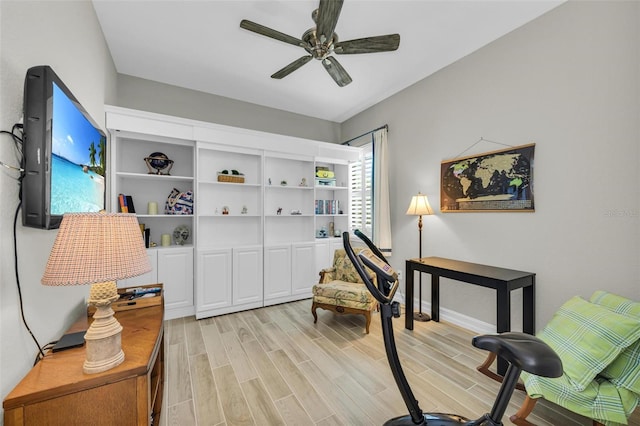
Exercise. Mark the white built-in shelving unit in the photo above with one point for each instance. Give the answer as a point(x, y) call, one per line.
point(256, 241)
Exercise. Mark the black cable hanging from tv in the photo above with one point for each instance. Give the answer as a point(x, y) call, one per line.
point(17, 140)
point(15, 259)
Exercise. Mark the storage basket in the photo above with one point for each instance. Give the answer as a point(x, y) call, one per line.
point(230, 178)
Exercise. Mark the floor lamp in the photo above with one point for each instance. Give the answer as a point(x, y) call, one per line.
point(420, 207)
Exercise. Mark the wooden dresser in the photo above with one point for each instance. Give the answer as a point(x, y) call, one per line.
point(57, 392)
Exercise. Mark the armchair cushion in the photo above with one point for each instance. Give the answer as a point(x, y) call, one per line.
point(344, 269)
point(588, 337)
point(624, 371)
point(343, 292)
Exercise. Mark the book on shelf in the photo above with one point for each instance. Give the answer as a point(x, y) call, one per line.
point(129, 201)
point(125, 204)
point(122, 203)
point(327, 206)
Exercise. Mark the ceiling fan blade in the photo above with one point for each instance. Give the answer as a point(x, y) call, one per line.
point(383, 43)
point(328, 14)
point(266, 31)
point(335, 70)
point(291, 67)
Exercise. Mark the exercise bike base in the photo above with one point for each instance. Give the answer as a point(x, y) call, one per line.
point(430, 419)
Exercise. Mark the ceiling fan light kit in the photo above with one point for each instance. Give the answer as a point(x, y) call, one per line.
point(321, 41)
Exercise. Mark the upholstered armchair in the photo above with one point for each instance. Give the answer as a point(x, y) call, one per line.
point(598, 343)
point(341, 290)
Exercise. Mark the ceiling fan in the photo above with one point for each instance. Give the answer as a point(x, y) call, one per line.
point(321, 41)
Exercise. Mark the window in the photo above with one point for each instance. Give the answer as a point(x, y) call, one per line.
point(361, 185)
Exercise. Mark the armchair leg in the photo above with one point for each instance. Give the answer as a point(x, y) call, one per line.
point(520, 418)
point(367, 315)
point(313, 312)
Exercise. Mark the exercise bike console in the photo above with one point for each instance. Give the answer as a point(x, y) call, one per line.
point(522, 351)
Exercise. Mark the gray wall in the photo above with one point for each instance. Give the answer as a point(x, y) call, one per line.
point(568, 81)
point(65, 35)
point(161, 98)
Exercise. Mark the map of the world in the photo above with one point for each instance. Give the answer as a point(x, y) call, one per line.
point(499, 180)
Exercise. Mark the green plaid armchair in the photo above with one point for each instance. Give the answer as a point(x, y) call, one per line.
point(598, 342)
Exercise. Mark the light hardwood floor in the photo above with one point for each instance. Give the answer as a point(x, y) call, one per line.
point(274, 366)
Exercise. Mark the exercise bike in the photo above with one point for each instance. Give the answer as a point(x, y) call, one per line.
point(522, 351)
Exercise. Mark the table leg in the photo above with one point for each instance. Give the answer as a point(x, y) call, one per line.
point(503, 322)
point(408, 297)
point(435, 297)
point(504, 311)
point(529, 307)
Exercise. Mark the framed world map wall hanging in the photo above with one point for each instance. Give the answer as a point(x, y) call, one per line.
point(493, 181)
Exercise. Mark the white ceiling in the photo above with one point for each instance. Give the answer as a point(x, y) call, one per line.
point(198, 44)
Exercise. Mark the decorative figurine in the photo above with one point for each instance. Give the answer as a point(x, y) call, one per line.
point(225, 210)
point(244, 210)
point(269, 181)
point(181, 234)
point(303, 182)
point(279, 212)
point(283, 182)
point(156, 162)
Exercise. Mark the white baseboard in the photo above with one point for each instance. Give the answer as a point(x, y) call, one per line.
point(455, 318)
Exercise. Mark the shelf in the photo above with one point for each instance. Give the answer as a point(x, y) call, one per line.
point(332, 215)
point(228, 215)
point(331, 188)
point(171, 247)
point(153, 177)
point(215, 182)
point(288, 215)
point(288, 187)
point(153, 216)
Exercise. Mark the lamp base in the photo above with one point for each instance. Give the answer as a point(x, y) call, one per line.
point(421, 316)
point(103, 338)
point(97, 350)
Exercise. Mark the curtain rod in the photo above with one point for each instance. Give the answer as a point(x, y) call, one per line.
point(386, 126)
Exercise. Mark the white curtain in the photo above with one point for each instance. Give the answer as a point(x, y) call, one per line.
point(381, 215)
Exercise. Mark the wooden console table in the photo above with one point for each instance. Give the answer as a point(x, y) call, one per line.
point(57, 392)
point(500, 279)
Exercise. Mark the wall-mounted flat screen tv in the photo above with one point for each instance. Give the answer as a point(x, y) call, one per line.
point(64, 153)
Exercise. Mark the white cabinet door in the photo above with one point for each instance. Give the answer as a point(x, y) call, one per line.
point(175, 271)
point(214, 279)
point(303, 268)
point(324, 255)
point(150, 277)
point(247, 275)
point(277, 271)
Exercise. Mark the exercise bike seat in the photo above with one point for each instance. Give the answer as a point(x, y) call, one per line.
point(524, 351)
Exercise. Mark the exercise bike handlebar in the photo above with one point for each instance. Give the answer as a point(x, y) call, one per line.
point(387, 278)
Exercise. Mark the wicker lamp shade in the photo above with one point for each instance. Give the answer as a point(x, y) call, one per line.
point(96, 247)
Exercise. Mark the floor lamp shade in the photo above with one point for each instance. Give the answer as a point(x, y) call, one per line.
point(98, 249)
point(420, 206)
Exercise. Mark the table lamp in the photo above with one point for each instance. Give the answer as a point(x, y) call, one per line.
point(420, 207)
point(98, 249)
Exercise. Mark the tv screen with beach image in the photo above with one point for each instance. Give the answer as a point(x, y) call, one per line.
point(78, 161)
